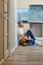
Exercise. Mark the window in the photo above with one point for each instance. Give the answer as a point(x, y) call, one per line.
point(33, 13)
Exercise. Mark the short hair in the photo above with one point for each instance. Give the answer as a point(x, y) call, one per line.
point(19, 22)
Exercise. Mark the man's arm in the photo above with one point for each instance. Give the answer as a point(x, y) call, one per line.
point(25, 37)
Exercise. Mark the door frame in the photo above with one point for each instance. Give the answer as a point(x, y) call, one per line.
point(6, 54)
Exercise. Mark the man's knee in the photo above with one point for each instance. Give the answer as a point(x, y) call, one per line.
point(28, 30)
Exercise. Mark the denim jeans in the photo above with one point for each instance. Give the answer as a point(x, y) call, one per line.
point(32, 41)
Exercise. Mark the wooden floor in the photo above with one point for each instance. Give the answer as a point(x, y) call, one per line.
point(26, 56)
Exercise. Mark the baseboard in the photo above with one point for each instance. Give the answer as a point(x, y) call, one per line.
point(13, 50)
point(2, 61)
point(7, 56)
point(39, 38)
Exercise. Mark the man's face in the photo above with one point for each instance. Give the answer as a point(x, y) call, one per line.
point(20, 25)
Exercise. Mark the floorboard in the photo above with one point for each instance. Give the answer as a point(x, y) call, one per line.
point(32, 55)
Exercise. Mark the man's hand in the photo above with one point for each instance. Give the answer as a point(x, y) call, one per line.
point(25, 37)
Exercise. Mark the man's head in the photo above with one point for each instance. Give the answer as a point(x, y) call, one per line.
point(20, 24)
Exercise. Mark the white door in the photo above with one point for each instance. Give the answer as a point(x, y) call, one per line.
point(6, 42)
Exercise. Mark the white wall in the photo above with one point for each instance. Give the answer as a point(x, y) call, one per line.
point(16, 20)
point(12, 23)
point(26, 26)
point(23, 3)
point(36, 1)
point(26, 3)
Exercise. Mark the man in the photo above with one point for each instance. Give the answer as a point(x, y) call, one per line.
point(27, 37)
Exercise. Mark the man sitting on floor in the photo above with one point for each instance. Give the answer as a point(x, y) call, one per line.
point(27, 37)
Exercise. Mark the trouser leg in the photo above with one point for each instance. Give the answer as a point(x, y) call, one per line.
point(30, 42)
point(29, 33)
